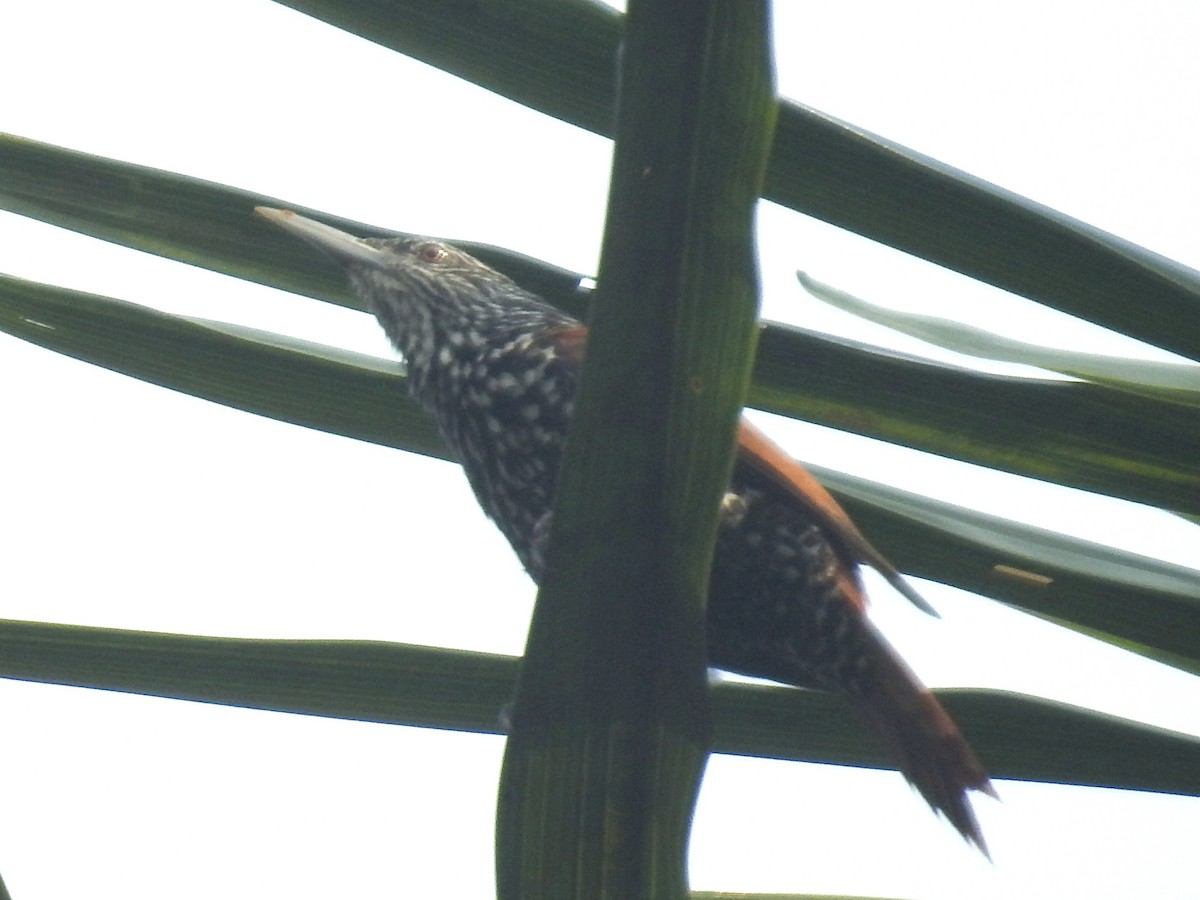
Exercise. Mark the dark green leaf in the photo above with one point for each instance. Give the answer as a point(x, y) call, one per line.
point(1076, 434)
point(1100, 589)
point(610, 726)
point(200, 222)
point(558, 56)
point(1142, 604)
point(336, 391)
point(1017, 736)
point(1041, 429)
point(1176, 382)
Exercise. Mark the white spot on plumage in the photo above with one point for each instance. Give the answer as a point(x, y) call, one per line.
point(504, 383)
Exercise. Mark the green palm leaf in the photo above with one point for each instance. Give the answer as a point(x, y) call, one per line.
point(1037, 428)
point(1178, 382)
point(558, 57)
point(1021, 736)
point(1102, 589)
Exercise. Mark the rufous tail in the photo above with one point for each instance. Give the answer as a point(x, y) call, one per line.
point(925, 744)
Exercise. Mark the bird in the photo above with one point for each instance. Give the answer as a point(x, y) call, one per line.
point(497, 367)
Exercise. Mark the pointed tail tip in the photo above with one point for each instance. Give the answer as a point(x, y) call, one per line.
point(944, 771)
point(946, 779)
point(961, 814)
point(924, 742)
point(931, 752)
point(981, 845)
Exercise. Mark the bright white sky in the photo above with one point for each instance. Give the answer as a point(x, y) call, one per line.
point(131, 506)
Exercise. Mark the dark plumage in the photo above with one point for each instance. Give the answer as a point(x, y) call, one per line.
point(497, 368)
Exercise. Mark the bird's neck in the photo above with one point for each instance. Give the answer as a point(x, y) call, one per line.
point(501, 392)
point(447, 346)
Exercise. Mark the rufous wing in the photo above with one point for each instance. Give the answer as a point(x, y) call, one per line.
point(772, 462)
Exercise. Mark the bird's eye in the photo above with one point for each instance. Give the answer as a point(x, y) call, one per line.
point(431, 253)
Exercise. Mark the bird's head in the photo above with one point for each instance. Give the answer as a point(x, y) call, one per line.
point(396, 268)
point(426, 294)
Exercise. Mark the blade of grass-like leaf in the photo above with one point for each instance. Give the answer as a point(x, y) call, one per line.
point(611, 724)
point(201, 222)
point(1017, 736)
point(1109, 592)
point(347, 393)
point(373, 681)
point(906, 200)
point(333, 390)
point(1076, 434)
point(1145, 451)
point(558, 56)
point(1040, 548)
point(1176, 382)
